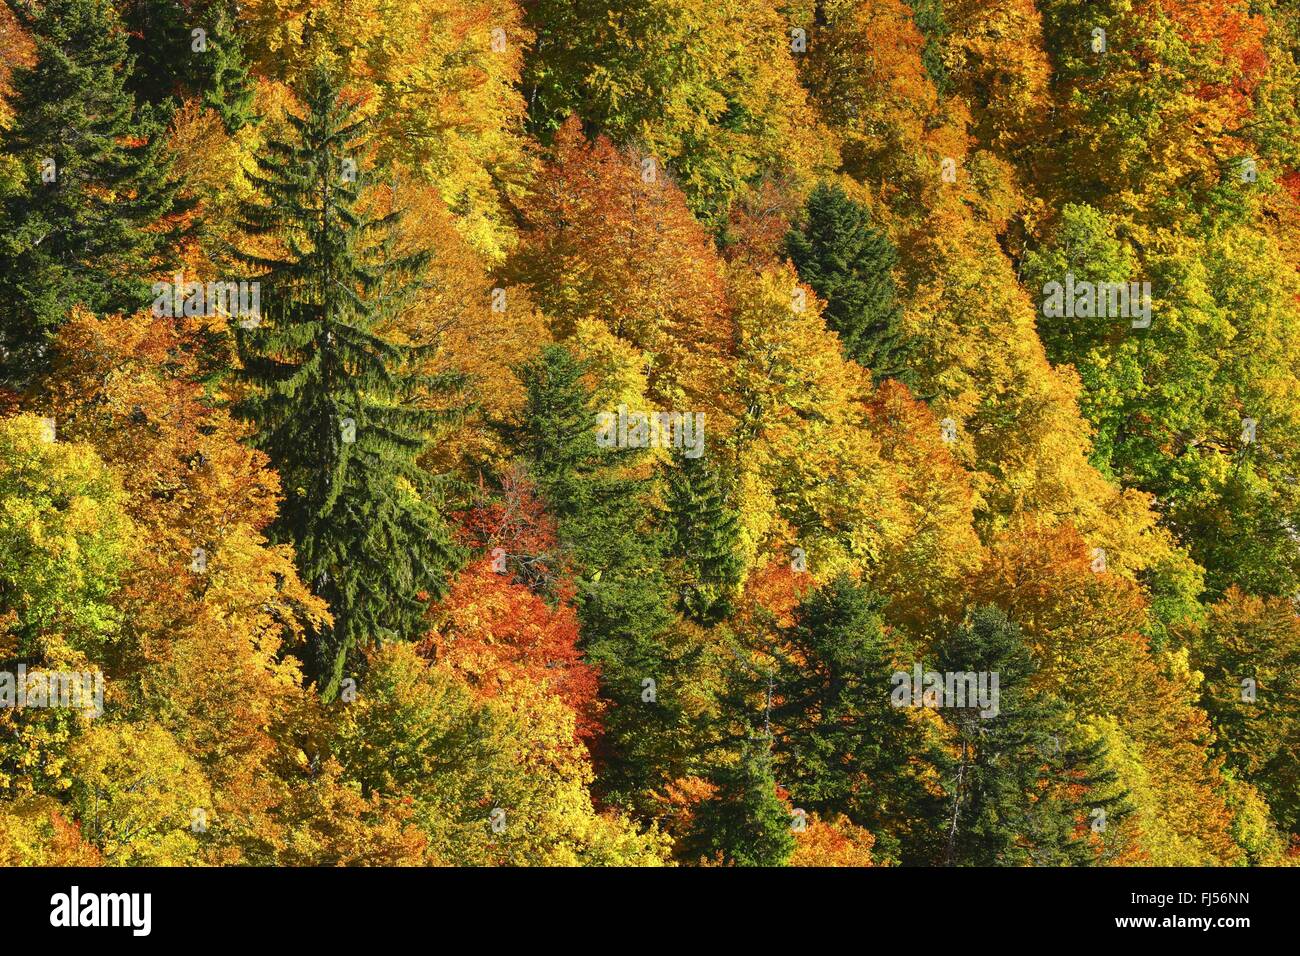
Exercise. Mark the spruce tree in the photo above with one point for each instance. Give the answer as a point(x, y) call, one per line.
point(603, 515)
point(557, 435)
point(848, 263)
point(743, 822)
point(840, 746)
point(704, 535)
point(930, 20)
point(607, 526)
point(172, 60)
point(342, 411)
point(1011, 782)
point(225, 82)
point(81, 225)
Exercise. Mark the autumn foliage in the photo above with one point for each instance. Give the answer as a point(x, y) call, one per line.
point(557, 406)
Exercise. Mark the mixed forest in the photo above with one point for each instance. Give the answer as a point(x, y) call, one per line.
point(549, 432)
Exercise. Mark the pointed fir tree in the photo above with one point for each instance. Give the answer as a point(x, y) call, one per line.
point(743, 822)
point(704, 535)
point(821, 690)
point(190, 50)
point(605, 523)
point(603, 516)
point(342, 412)
point(930, 20)
point(557, 434)
point(849, 263)
point(225, 82)
point(84, 223)
point(1020, 792)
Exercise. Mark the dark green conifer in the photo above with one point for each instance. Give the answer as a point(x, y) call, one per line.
point(1010, 783)
point(184, 49)
point(821, 692)
point(84, 223)
point(342, 411)
point(704, 533)
point(606, 524)
point(849, 263)
point(743, 823)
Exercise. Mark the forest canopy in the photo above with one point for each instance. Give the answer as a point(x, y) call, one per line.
point(488, 432)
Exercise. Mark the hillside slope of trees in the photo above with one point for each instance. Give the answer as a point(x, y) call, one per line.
point(756, 433)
